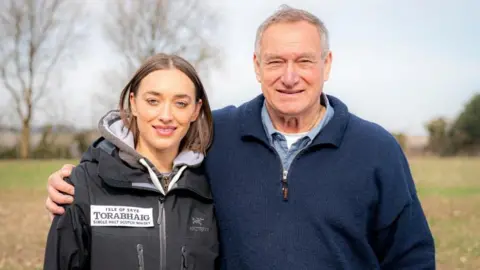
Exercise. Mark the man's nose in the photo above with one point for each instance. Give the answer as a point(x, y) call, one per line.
point(290, 77)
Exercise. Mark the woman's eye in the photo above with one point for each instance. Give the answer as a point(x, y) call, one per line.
point(182, 104)
point(152, 101)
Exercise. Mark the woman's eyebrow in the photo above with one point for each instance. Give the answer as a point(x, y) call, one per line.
point(157, 93)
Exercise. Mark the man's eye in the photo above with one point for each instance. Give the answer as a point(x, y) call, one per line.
point(274, 62)
point(306, 61)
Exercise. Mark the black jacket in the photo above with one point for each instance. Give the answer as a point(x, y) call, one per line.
point(120, 220)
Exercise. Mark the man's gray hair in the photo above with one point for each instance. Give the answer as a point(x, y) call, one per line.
point(287, 14)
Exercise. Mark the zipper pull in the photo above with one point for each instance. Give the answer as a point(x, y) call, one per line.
point(166, 181)
point(160, 211)
point(285, 185)
point(184, 264)
point(141, 263)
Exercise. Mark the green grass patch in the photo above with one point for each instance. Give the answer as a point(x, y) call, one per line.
point(449, 189)
point(28, 173)
point(448, 192)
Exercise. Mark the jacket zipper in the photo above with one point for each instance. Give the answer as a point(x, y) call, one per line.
point(285, 185)
point(141, 263)
point(184, 263)
point(162, 234)
point(285, 174)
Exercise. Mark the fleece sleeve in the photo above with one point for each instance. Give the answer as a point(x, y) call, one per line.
point(402, 238)
point(68, 239)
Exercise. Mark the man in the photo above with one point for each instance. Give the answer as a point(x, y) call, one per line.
point(299, 182)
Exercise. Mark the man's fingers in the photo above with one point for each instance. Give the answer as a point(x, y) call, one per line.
point(56, 182)
point(66, 170)
point(63, 186)
point(56, 186)
point(53, 208)
point(58, 198)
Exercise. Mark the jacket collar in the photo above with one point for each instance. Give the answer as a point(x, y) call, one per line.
point(116, 173)
point(251, 125)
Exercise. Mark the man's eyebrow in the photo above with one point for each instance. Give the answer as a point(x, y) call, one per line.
point(269, 56)
point(306, 55)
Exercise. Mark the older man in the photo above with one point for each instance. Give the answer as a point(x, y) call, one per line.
point(300, 182)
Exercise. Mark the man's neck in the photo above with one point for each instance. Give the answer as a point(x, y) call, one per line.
point(299, 123)
point(162, 160)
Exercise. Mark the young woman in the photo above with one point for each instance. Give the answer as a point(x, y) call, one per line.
point(141, 198)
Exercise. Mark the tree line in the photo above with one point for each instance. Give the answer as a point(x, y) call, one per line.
point(460, 136)
point(39, 39)
point(42, 38)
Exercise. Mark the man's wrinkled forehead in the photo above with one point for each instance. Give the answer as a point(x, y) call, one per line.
point(268, 56)
point(297, 38)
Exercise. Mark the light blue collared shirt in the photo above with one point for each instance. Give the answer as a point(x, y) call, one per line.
point(278, 141)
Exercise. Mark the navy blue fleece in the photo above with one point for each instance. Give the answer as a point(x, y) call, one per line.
point(352, 202)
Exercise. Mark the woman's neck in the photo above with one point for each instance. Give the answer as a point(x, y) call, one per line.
point(162, 160)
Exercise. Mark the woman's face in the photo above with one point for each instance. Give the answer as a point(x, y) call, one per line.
point(164, 106)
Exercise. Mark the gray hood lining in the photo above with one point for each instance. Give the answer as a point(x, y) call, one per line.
point(111, 127)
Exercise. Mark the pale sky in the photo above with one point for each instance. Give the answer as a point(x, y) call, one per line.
point(397, 63)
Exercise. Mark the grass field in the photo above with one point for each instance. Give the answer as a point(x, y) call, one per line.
point(449, 190)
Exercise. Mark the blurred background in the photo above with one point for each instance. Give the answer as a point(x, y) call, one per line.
point(411, 66)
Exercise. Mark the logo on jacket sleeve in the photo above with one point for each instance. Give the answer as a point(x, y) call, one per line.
point(121, 216)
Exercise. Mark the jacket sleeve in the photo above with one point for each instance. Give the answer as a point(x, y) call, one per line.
point(68, 239)
point(402, 238)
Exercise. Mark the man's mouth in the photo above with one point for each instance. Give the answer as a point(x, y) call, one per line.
point(289, 92)
point(164, 130)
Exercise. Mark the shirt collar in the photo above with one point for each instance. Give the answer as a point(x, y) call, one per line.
point(271, 131)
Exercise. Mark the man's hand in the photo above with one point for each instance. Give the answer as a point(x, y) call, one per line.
point(56, 186)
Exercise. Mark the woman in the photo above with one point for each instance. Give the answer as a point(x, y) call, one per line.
point(141, 198)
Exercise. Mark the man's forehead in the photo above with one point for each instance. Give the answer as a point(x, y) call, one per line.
point(291, 32)
point(291, 44)
point(292, 54)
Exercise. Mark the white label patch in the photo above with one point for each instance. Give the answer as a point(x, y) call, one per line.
point(121, 216)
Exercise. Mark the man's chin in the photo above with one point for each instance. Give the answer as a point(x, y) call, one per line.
point(288, 108)
point(291, 112)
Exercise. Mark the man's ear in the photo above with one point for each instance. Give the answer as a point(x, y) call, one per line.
point(133, 105)
point(256, 64)
point(327, 66)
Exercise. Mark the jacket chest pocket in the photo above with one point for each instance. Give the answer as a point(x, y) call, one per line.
point(198, 235)
point(195, 257)
point(124, 248)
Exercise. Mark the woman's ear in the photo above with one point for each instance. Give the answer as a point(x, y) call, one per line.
point(133, 105)
point(198, 108)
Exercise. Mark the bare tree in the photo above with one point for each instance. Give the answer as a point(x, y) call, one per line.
point(141, 28)
point(35, 38)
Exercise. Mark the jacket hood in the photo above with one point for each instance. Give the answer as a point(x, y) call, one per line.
point(116, 135)
point(112, 128)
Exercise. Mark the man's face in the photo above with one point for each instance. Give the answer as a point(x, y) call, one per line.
point(290, 67)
